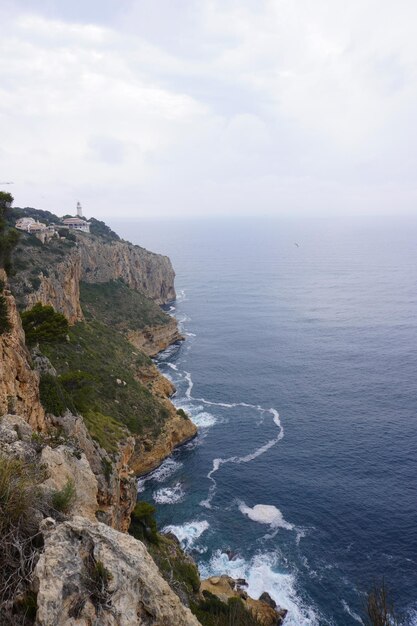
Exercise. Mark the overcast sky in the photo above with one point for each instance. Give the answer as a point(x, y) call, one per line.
point(146, 108)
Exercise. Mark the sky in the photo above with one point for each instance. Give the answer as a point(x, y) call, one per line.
point(192, 108)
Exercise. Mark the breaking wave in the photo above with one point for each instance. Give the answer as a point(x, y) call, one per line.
point(188, 533)
point(169, 495)
point(262, 574)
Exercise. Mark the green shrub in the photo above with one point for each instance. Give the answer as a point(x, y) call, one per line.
point(142, 522)
point(63, 499)
point(213, 612)
point(5, 325)
point(182, 414)
point(53, 397)
point(35, 281)
point(44, 324)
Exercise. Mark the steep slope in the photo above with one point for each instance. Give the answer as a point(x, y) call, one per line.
point(19, 384)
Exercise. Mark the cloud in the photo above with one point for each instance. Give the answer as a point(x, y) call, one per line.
point(227, 107)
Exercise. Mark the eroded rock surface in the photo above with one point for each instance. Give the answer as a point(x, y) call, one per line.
point(19, 384)
point(90, 574)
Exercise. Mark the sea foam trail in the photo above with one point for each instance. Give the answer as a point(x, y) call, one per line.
point(262, 574)
point(217, 463)
point(352, 614)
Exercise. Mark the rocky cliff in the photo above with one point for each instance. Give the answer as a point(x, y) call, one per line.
point(60, 287)
point(154, 339)
point(51, 273)
point(19, 384)
point(151, 274)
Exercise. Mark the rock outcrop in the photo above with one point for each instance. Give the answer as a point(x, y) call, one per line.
point(116, 491)
point(90, 574)
point(19, 384)
point(177, 430)
point(151, 274)
point(264, 610)
point(60, 287)
point(154, 339)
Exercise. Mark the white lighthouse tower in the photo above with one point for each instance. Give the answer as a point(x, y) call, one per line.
point(79, 210)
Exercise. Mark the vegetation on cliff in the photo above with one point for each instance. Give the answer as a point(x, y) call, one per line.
point(120, 307)
point(43, 324)
point(97, 377)
point(8, 235)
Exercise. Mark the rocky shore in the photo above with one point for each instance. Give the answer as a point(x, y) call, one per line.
point(80, 418)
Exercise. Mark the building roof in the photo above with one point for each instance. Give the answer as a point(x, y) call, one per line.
point(74, 220)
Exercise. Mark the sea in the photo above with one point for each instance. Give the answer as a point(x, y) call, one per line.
point(299, 368)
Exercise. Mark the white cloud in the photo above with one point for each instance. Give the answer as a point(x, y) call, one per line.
point(224, 106)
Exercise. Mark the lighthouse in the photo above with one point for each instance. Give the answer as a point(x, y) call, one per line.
point(79, 210)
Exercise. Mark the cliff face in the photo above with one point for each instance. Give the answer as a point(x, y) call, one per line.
point(147, 272)
point(52, 272)
point(19, 384)
point(149, 453)
point(154, 339)
point(61, 288)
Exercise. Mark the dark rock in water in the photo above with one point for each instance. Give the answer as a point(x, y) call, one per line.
point(265, 597)
point(231, 555)
point(241, 582)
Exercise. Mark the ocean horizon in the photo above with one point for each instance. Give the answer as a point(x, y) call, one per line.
point(299, 369)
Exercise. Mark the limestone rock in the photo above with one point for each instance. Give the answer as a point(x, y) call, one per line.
point(63, 465)
point(19, 384)
point(90, 574)
point(151, 274)
point(61, 288)
point(117, 490)
point(154, 339)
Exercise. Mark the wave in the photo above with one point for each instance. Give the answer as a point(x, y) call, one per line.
point(169, 495)
point(161, 473)
point(188, 533)
point(265, 514)
point(262, 574)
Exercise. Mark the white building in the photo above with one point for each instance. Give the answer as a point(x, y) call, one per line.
point(75, 223)
point(30, 225)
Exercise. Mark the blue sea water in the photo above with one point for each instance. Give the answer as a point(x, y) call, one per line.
point(299, 367)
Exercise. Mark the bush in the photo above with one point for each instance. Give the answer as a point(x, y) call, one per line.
point(54, 399)
point(379, 609)
point(213, 612)
point(44, 324)
point(63, 499)
point(182, 414)
point(5, 325)
point(143, 524)
point(19, 538)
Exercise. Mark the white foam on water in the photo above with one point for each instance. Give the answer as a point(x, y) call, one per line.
point(173, 366)
point(349, 611)
point(164, 471)
point(169, 495)
point(188, 533)
point(265, 514)
point(243, 459)
point(261, 575)
point(191, 334)
point(181, 296)
point(190, 385)
point(204, 419)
